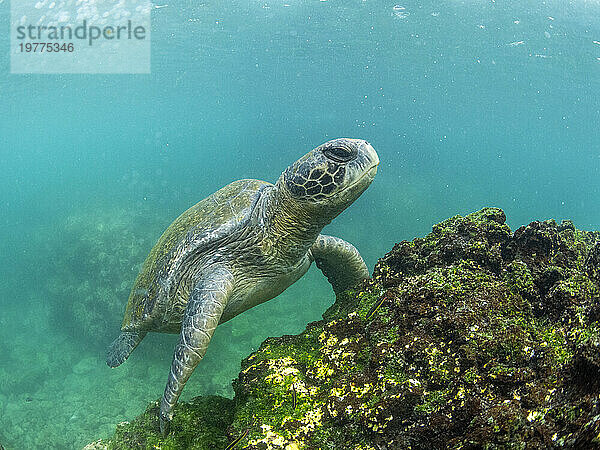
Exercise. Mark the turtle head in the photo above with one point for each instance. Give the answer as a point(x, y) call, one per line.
point(329, 178)
point(312, 192)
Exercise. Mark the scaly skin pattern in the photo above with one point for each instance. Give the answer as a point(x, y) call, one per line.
point(242, 246)
point(203, 313)
point(122, 347)
point(329, 251)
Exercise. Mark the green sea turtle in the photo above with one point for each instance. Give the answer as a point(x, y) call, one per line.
point(241, 246)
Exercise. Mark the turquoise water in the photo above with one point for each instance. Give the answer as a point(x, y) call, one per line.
point(468, 103)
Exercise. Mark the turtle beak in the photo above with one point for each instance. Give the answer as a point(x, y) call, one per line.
point(366, 165)
point(372, 172)
point(372, 157)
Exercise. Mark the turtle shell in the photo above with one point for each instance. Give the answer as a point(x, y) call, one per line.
point(196, 229)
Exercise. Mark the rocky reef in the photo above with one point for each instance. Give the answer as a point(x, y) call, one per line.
point(472, 337)
point(97, 246)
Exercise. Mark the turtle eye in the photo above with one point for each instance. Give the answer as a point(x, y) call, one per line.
point(340, 154)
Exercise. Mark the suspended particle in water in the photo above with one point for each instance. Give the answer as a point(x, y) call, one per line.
point(547, 34)
point(400, 11)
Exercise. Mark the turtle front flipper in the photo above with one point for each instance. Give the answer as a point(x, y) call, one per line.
point(122, 346)
point(202, 315)
point(339, 261)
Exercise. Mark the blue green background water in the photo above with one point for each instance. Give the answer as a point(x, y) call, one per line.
point(468, 103)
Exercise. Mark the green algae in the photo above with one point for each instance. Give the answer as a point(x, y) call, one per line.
point(200, 424)
point(483, 339)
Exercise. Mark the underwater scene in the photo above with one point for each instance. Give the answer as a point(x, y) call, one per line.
point(484, 332)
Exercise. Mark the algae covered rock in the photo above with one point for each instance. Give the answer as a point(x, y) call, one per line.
point(471, 337)
point(198, 424)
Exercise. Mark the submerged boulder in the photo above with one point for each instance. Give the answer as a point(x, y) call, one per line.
point(199, 424)
point(472, 337)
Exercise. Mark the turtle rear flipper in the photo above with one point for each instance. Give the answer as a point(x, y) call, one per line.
point(122, 346)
